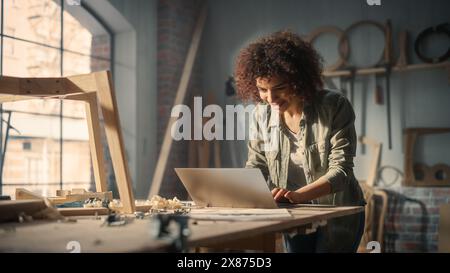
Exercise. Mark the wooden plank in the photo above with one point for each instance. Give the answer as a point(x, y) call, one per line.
point(23, 194)
point(376, 154)
point(9, 85)
point(55, 86)
point(410, 140)
point(108, 103)
point(95, 143)
point(382, 70)
point(11, 209)
point(444, 229)
point(12, 98)
point(83, 211)
point(81, 83)
point(179, 99)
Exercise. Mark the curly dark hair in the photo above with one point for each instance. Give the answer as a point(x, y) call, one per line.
point(283, 54)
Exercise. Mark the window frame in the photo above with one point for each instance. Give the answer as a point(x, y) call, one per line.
point(62, 50)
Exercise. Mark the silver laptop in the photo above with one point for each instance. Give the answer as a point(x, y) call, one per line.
point(227, 187)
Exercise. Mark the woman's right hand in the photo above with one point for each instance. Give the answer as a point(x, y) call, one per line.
point(278, 195)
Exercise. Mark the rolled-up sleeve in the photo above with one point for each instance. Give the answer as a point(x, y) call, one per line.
point(343, 142)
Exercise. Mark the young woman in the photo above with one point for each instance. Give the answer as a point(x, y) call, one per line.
point(316, 138)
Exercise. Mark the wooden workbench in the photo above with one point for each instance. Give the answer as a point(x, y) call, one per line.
point(42, 236)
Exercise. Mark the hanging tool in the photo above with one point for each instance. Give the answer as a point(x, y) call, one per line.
point(388, 103)
point(388, 68)
point(379, 98)
point(443, 29)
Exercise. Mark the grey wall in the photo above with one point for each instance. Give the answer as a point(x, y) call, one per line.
point(419, 98)
point(134, 24)
point(142, 16)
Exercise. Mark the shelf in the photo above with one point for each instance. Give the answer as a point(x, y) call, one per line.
point(382, 70)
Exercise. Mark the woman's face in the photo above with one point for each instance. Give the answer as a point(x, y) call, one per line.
point(275, 91)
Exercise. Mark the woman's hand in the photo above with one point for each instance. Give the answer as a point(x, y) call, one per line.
point(283, 195)
point(312, 191)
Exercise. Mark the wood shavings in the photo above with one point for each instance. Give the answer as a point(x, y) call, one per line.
point(158, 202)
point(93, 203)
point(155, 203)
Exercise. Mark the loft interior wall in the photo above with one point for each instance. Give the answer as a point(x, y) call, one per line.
point(418, 98)
point(134, 26)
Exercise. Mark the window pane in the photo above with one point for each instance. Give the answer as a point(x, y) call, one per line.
point(32, 158)
point(84, 34)
point(75, 64)
point(32, 155)
point(76, 154)
point(23, 59)
point(34, 20)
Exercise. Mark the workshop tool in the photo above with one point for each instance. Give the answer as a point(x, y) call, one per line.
point(378, 94)
point(340, 34)
point(402, 61)
point(388, 67)
point(421, 174)
point(161, 229)
point(439, 29)
point(344, 45)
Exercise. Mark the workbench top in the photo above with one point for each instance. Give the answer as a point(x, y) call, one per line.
point(93, 235)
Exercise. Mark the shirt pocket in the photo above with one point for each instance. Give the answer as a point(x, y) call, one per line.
point(319, 155)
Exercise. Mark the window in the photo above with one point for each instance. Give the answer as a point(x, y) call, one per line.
point(45, 141)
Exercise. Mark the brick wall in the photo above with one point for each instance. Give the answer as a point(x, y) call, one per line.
point(412, 222)
point(176, 23)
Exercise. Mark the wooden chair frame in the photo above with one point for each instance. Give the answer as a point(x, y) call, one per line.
point(94, 88)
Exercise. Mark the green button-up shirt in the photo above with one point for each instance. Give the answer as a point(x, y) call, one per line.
point(328, 147)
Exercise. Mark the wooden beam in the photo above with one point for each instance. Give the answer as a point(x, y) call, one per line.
point(444, 228)
point(95, 143)
point(376, 150)
point(12, 98)
point(382, 70)
point(10, 210)
point(37, 87)
point(9, 85)
point(179, 99)
point(108, 103)
point(81, 83)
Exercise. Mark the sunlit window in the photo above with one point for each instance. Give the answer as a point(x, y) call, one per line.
point(45, 141)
